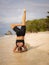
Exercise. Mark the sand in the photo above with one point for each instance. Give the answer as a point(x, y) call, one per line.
point(37, 54)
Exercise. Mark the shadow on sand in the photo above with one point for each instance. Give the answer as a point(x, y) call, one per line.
point(34, 47)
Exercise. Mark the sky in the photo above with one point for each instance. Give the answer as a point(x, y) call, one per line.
point(11, 11)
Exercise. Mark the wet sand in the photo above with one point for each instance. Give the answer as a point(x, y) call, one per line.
point(37, 54)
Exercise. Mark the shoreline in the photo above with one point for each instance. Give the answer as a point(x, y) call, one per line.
point(27, 33)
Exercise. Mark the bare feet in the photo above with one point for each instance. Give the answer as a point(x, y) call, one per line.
point(24, 10)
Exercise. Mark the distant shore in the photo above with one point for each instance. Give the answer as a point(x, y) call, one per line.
point(26, 33)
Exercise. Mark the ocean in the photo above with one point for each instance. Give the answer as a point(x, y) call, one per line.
point(4, 28)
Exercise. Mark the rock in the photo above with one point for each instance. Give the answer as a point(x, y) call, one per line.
point(8, 33)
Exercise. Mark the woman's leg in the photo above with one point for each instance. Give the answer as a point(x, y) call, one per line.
point(23, 28)
point(24, 18)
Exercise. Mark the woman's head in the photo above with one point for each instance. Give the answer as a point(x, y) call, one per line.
point(20, 49)
point(19, 44)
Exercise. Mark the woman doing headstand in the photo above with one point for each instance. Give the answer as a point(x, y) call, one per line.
point(20, 34)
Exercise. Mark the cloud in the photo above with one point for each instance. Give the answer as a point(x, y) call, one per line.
point(12, 10)
point(11, 19)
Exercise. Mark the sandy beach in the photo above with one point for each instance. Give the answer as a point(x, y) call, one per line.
point(37, 54)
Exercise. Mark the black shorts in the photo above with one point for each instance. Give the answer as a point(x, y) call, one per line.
point(20, 41)
point(20, 32)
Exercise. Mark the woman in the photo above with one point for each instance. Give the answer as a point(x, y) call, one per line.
point(20, 34)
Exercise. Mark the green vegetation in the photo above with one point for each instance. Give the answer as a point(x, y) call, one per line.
point(37, 25)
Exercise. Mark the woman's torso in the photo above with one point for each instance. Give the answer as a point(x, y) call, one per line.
point(20, 37)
